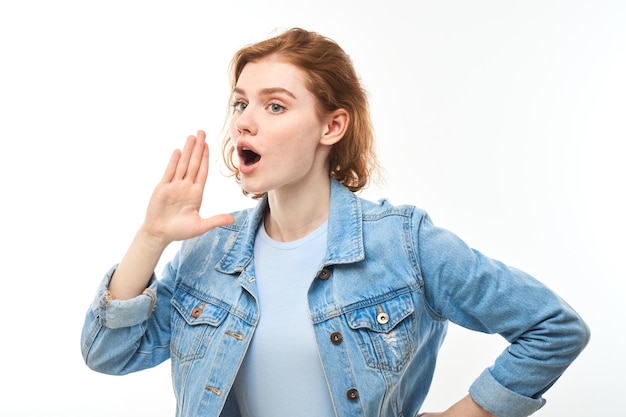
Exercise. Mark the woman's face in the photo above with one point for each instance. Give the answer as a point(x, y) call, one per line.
point(275, 128)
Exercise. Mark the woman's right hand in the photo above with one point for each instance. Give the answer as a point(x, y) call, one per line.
point(173, 214)
point(174, 209)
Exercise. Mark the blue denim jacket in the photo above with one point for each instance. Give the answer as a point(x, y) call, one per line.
point(380, 304)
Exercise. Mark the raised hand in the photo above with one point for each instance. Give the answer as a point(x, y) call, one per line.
point(173, 214)
point(174, 209)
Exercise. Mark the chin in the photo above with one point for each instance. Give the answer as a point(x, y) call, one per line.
point(250, 187)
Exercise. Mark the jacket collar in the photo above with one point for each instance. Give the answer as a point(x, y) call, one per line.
point(345, 232)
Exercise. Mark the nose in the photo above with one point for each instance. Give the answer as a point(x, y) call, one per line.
point(245, 122)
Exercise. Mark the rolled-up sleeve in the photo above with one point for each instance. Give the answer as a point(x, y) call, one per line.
point(120, 336)
point(114, 313)
point(501, 401)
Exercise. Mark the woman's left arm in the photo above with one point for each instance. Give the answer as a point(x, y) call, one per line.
point(483, 294)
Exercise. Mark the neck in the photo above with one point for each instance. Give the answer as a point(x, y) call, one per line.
point(293, 214)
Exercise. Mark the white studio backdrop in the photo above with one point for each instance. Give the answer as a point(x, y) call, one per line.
point(503, 119)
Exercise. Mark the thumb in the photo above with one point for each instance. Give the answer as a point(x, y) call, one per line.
point(217, 221)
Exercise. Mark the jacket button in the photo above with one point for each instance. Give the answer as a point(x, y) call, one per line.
point(353, 394)
point(336, 338)
point(382, 318)
point(324, 273)
point(197, 312)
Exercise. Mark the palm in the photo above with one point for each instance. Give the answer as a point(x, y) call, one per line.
point(174, 209)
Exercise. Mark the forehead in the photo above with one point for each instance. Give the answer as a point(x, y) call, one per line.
point(271, 73)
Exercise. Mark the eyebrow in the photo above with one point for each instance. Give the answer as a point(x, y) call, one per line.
point(267, 91)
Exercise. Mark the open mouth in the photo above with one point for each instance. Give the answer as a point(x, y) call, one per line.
point(249, 157)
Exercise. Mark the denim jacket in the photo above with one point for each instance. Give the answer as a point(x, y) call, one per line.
point(380, 304)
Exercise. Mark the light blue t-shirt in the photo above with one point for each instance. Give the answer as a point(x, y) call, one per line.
point(281, 374)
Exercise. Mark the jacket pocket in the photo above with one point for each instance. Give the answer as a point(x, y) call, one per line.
point(194, 322)
point(383, 331)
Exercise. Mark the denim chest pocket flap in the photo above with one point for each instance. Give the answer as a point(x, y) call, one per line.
point(193, 325)
point(382, 317)
point(383, 331)
point(196, 311)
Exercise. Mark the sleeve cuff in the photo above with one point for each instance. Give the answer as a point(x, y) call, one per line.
point(501, 401)
point(116, 314)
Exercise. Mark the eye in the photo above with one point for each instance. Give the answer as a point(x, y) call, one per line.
point(276, 108)
point(239, 106)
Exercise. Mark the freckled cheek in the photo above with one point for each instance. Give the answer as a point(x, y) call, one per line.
point(300, 155)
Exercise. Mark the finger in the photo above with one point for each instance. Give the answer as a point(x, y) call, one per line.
point(203, 171)
point(183, 163)
point(170, 170)
point(197, 157)
point(217, 221)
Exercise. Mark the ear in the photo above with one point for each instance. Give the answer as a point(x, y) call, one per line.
point(336, 125)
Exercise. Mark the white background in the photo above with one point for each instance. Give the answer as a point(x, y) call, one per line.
point(503, 119)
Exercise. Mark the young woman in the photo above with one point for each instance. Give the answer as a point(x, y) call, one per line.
point(315, 302)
